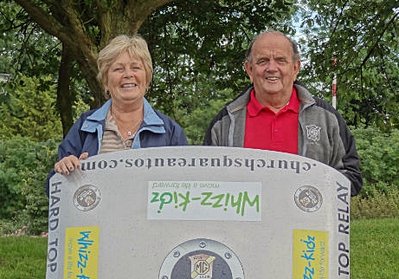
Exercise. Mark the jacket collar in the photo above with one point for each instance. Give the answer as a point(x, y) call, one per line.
point(151, 121)
point(304, 96)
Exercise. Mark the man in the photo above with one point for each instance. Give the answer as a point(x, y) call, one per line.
point(275, 113)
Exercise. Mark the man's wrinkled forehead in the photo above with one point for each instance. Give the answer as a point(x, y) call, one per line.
point(270, 40)
point(272, 43)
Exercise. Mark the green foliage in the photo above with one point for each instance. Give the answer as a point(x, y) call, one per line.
point(362, 35)
point(193, 61)
point(24, 165)
point(376, 203)
point(27, 109)
point(24, 47)
point(196, 123)
point(379, 155)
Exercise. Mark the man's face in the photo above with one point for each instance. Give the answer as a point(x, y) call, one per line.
point(272, 68)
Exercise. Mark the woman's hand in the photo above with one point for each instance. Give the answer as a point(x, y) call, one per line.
point(70, 163)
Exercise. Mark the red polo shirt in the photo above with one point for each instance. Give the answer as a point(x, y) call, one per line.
point(267, 130)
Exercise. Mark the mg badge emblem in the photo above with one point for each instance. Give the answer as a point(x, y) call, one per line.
point(201, 266)
point(201, 259)
point(86, 197)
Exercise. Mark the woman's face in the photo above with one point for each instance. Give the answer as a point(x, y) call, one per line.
point(126, 79)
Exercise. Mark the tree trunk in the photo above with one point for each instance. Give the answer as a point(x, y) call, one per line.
point(65, 96)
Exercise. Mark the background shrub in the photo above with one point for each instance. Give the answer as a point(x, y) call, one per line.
point(24, 165)
point(379, 153)
point(377, 203)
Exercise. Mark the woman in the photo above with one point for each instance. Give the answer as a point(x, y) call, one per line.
point(126, 120)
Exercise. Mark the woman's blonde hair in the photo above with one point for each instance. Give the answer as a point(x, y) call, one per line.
point(135, 46)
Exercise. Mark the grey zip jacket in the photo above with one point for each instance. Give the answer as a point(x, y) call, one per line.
point(323, 134)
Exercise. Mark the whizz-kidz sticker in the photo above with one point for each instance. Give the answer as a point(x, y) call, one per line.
point(310, 254)
point(81, 252)
point(204, 200)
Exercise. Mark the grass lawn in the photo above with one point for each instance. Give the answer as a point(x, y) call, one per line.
point(23, 257)
point(374, 252)
point(375, 249)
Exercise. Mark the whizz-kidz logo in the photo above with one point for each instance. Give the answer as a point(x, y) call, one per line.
point(81, 253)
point(310, 254)
point(239, 202)
point(84, 243)
point(199, 200)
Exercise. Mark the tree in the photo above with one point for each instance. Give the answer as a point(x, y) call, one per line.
point(197, 62)
point(83, 27)
point(29, 110)
point(363, 36)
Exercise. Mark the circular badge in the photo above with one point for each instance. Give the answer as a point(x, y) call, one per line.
point(308, 198)
point(201, 258)
point(86, 197)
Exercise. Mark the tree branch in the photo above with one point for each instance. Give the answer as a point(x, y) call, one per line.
point(39, 15)
point(371, 50)
point(141, 10)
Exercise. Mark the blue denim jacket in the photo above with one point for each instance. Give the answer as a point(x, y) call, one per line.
point(86, 134)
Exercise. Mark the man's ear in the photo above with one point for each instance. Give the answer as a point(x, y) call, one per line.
point(297, 67)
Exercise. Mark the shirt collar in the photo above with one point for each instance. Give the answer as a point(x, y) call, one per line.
point(293, 103)
point(254, 107)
